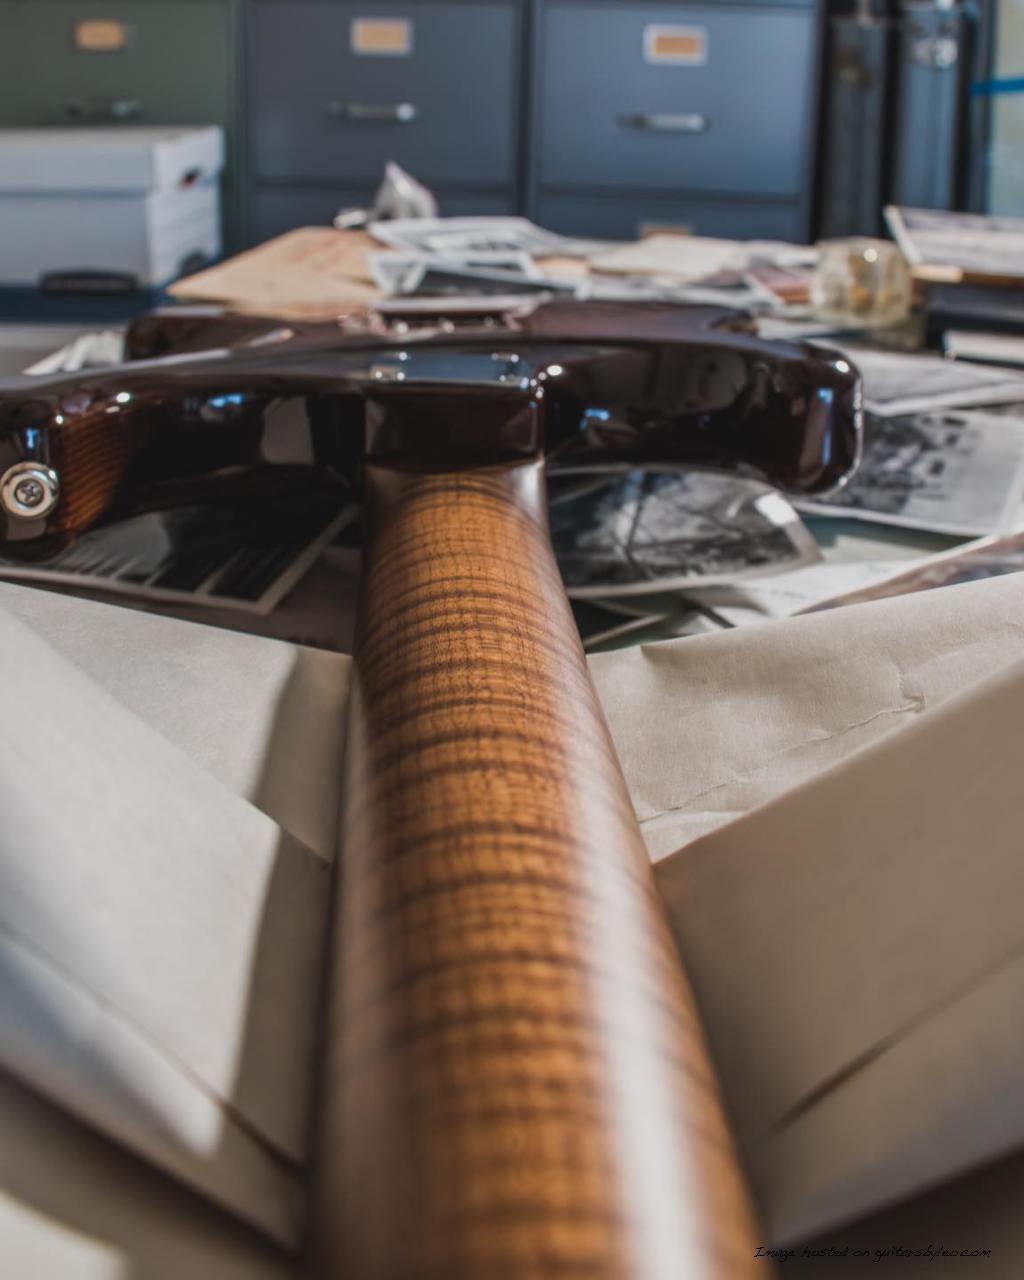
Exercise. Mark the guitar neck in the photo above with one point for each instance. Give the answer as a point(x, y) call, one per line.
point(516, 1083)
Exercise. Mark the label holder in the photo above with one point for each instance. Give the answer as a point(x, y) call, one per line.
point(381, 37)
point(675, 46)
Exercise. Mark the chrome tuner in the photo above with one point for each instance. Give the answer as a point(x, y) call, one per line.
point(29, 490)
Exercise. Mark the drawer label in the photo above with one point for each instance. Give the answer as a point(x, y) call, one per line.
point(675, 46)
point(100, 35)
point(382, 37)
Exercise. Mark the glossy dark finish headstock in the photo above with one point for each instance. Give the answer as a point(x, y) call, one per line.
point(202, 397)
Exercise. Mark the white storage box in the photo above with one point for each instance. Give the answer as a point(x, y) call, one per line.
point(134, 204)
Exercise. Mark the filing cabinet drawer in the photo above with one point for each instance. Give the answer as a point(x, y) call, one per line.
point(703, 98)
point(276, 210)
point(927, 117)
point(625, 218)
point(164, 62)
point(335, 90)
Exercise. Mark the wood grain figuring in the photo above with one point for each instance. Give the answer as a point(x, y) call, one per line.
point(92, 452)
point(516, 1083)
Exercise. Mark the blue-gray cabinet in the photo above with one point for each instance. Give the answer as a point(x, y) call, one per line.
point(698, 114)
point(929, 118)
point(592, 116)
point(336, 89)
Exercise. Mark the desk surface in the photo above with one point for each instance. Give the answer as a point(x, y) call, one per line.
point(320, 610)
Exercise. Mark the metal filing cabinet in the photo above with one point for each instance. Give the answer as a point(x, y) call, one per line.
point(899, 111)
point(855, 156)
point(695, 114)
point(133, 61)
point(934, 57)
point(336, 89)
point(699, 114)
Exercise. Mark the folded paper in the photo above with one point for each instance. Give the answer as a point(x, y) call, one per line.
point(160, 940)
point(858, 959)
point(831, 799)
point(710, 727)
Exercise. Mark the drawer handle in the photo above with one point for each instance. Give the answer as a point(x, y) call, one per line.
point(666, 123)
point(119, 109)
point(374, 113)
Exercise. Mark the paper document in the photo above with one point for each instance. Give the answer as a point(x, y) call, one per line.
point(774, 705)
point(694, 257)
point(742, 292)
point(601, 622)
point(620, 532)
point(858, 957)
point(971, 562)
point(784, 594)
point(91, 350)
point(685, 257)
point(984, 348)
point(313, 273)
point(958, 472)
point(196, 1056)
point(458, 236)
point(230, 555)
point(392, 271)
point(896, 383)
point(160, 941)
point(949, 246)
point(856, 1055)
point(795, 324)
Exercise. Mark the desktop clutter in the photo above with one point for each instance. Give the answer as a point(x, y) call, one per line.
point(938, 494)
point(699, 955)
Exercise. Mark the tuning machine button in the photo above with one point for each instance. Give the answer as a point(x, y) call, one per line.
point(29, 490)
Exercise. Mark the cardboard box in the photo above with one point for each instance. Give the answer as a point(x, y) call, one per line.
point(116, 208)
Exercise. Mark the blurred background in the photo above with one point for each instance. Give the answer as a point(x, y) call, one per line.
point(846, 171)
point(783, 119)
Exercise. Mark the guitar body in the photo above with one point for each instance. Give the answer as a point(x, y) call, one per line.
point(628, 383)
point(515, 1083)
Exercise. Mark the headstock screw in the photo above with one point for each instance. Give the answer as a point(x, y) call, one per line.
point(29, 490)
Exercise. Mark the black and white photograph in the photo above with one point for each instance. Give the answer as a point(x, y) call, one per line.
point(233, 555)
point(395, 272)
point(633, 532)
point(953, 472)
point(440, 278)
point(611, 622)
point(898, 383)
point(457, 237)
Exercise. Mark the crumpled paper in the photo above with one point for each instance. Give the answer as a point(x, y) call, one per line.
point(710, 727)
point(161, 935)
point(853, 954)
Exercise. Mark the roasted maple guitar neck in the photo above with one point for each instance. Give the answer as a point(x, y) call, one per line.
point(516, 1082)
